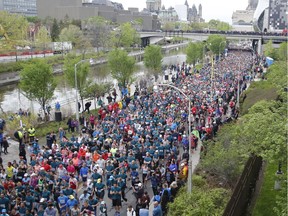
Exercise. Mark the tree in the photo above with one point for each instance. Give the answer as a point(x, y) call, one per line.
point(216, 44)
point(153, 59)
point(75, 35)
point(37, 82)
point(264, 130)
point(15, 27)
point(55, 31)
point(125, 36)
point(168, 26)
point(194, 52)
point(121, 66)
point(95, 90)
point(283, 52)
point(205, 200)
point(219, 25)
point(98, 30)
point(82, 73)
point(42, 37)
point(270, 51)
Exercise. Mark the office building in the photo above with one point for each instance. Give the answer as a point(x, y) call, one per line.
point(77, 10)
point(22, 7)
point(270, 15)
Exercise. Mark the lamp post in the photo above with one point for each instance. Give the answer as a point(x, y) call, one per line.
point(220, 49)
point(189, 187)
point(76, 88)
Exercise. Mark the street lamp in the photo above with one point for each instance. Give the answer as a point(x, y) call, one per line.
point(220, 49)
point(155, 88)
point(76, 88)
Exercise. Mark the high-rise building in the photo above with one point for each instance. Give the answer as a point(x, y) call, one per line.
point(23, 7)
point(271, 15)
point(200, 10)
point(278, 15)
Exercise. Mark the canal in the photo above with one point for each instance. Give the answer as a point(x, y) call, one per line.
point(12, 99)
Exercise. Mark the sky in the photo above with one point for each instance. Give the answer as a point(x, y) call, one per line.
point(211, 9)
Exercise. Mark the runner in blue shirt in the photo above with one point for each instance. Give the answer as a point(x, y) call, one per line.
point(62, 200)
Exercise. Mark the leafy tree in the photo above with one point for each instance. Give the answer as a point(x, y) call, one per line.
point(277, 76)
point(37, 82)
point(198, 26)
point(121, 66)
point(185, 27)
point(153, 59)
point(270, 51)
point(75, 35)
point(55, 31)
point(83, 69)
point(125, 36)
point(194, 52)
point(95, 90)
point(219, 25)
point(216, 44)
point(168, 26)
point(224, 159)
point(42, 37)
point(76, 22)
point(33, 19)
point(15, 26)
point(264, 130)
point(98, 29)
point(283, 51)
point(205, 201)
point(138, 24)
point(71, 33)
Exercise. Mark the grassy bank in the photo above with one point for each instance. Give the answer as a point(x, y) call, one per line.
point(267, 199)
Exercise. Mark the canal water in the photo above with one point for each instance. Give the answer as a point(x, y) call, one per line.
point(12, 99)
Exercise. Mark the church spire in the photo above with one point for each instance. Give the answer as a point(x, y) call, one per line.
point(186, 3)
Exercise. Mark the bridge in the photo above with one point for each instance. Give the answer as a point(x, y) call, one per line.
point(258, 39)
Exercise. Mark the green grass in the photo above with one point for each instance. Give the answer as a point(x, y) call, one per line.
point(257, 91)
point(266, 200)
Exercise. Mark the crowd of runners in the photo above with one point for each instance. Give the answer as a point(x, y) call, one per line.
point(137, 142)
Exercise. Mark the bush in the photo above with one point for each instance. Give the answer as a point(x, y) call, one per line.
point(10, 67)
point(203, 201)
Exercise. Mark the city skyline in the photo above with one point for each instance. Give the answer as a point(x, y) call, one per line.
point(211, 9)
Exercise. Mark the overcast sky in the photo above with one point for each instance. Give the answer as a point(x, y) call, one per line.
point(211, 9)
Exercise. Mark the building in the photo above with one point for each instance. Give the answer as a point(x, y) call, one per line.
point(270, 15)
point(278, 15)
point(168, 15)
point(153, 5)
point(26, 8)
point(75, 9)
point(242, 17)
point(194, 15)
